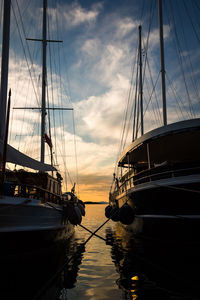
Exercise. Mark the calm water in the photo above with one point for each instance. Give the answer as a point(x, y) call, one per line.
point(115, 266)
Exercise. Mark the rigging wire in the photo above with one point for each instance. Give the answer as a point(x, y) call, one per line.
point(30, 69)
point(178, 99)
point(131, 109)
point(196, 11)
point(52, 94)
point(126, 126)
point(125, 113)
point(49, 122)
point(68, 93)
point(76, 160)
point(172, 88)
point(135, 129)
point(122, 144)
point(1, 13)
point(189, 58)
point(137, 96)
point(191, 20)
point(20, 67)
point(178, 50)
point(61, 113)
point(193, 79)
point(135, 106)
point(55, 68)
point(156, 111)
point(153, 91)
point(23, 30)
point(62, 119)
point(123, 135)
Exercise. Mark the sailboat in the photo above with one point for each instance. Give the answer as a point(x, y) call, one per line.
point(32, 206)
point(156, 189)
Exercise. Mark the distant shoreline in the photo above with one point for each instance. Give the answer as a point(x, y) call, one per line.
point(91, 202)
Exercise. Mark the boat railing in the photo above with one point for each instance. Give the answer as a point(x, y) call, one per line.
point(31, 191)
point(155, 174)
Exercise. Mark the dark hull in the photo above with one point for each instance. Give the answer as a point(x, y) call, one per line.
point(35, 238)
point(167, 228)
point(32, 225)
point(165, 212)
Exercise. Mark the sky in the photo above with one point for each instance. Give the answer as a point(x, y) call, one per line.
point(93, 67)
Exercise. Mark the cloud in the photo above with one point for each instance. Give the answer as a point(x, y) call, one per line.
point(100, 117)
point(76, 15)
point(99, 47)
point(73, 15)
point(105, 56)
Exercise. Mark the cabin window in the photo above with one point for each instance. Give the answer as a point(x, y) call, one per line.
point(56, 188)
point(49, 186)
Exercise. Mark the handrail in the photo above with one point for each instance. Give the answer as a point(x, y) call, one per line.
point(38, 193)
point(165, 172)
point(151, 177)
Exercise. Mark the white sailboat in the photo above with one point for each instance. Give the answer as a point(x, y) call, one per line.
point(156, 190)
point(32, 207)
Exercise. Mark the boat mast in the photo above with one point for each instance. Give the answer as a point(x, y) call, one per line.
point(44, 82)
point(4, 66)
point(44, 46)
point(140, 80)
point(162, 63)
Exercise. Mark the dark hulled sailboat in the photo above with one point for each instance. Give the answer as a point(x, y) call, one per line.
point(157, 189)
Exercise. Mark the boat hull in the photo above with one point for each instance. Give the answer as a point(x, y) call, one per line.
point(30, 221)
point(168, 209)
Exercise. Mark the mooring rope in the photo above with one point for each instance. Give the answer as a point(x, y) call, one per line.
point(80, 249)
point(92, 232)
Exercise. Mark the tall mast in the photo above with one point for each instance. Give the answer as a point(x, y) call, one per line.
point(140, 80)
point(162, 63)
point(44, 46)
point(4, 67)
point(44, 80)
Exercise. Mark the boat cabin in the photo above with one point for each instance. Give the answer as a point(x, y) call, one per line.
point(33, 185)
point(168, 151)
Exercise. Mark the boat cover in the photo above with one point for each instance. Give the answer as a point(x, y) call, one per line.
point(16, 157)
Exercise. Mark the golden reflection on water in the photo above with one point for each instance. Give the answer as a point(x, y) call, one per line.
point(123, 260)
point(122, 235)
point(97, 275)
point(134, 291)
point(124, 238)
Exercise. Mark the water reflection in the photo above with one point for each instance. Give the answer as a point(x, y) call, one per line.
point(154, 269)
point(122, 267)
point(43, 273)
